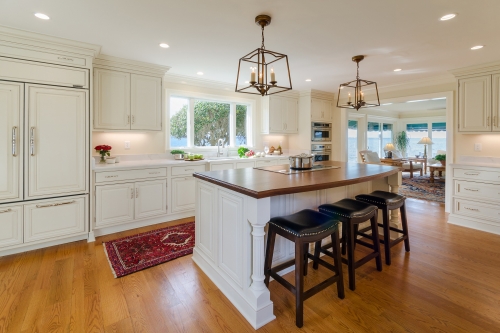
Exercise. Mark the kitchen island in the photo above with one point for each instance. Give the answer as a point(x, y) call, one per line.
point(234, 206)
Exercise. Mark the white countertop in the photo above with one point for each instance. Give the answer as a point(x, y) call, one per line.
point(154, 163)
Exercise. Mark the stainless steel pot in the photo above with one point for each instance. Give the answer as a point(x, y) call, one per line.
point(179, 156)
point(302, 161)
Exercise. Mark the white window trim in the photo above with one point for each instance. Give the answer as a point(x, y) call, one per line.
point(423, 120)
point(381, 120)
point(233, 101)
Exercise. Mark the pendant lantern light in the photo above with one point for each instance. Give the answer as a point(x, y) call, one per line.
point(264, 66)
point(353, 93)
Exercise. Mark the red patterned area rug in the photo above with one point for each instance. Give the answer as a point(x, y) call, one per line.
point(134, 253)
point(419, 187)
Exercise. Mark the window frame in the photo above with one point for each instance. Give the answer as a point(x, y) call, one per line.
point(381, 121)
point(232, 101)
point(429, 121)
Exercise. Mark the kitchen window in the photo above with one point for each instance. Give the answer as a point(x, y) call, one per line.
point(378, 135)
point(197, 122)
point(436, 131)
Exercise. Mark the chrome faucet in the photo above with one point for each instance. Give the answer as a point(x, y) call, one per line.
point(220, 144)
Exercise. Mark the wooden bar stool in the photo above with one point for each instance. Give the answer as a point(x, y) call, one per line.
point(387, 201)
point(302, 228)
point(351, 213)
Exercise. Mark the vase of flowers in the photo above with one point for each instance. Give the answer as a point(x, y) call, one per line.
point(103, 150)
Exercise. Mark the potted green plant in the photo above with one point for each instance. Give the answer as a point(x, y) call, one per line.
point(441, 158)
point(178, 154)
point(402, 142)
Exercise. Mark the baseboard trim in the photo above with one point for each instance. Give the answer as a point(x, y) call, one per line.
point(473, 223)
point(30, 247)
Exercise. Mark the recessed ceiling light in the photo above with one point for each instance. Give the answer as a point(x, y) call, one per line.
point(164, 45)
point(448, 17)
point(477, 47)
point(200, 73)
point(418, 100)
point(308, 80)
point(397, 70)
point(42, 16)
point(387, 104)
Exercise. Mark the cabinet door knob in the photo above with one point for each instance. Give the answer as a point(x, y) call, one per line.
point(14, 141)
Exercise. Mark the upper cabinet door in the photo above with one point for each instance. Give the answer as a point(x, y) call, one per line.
point(276, 109)
point(474, 105)
point(291, 115)
point(145, 108)
point(496, 103)
point(111, 99)
point(11, 143)
point(316, 109)
point(57, 150)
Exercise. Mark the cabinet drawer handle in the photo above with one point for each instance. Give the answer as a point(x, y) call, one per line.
point(188, 169)
point(133, 119)
point(136, 192)
point(32, 141)
point(473, 174)
point(154, 173)
point(131, 193)
point(14, 141)
point(64, 58)
point(111, 176)
point(473, 209)
point(5, 211)
point(55, 204)
point(128, 120)
point(471, 189)
point(488, 121)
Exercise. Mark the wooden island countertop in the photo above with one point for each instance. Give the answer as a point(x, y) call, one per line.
point(261, 184)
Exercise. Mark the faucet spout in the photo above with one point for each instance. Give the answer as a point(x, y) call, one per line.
point(220, 144)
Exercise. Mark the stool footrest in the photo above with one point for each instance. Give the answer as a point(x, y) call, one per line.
point(392, 228)
point(284, 265)
point(316, 289)
point(322, 262)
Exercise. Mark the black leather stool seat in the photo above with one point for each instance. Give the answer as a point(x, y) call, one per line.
point(348, 209)
point(382, 198)
point(307, 222)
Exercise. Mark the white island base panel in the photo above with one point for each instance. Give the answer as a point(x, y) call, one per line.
point(230, 238)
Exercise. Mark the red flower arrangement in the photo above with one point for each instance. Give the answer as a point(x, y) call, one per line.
point(103, 150)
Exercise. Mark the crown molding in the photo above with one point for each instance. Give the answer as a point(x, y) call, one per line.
point(420, 83)
point(23, 39)
point(133, 66)
point(476, 69)
point(212, 84)
point(318, 94)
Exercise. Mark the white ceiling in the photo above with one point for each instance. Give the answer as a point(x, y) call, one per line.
point(415, 105)
point(319, 36)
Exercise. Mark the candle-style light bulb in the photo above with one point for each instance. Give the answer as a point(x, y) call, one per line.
point(252, 74)
point(349, 97)
point(260, 77)
point(273, 76)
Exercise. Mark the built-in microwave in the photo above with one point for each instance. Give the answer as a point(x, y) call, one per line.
point(321, 152)
point(321, 132)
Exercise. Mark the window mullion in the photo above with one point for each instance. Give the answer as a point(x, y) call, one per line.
point(190, 131)
point(232, 125)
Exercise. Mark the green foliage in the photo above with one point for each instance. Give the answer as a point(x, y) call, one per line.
point(401, 141)
point(177, 151)
point(440, 157)
point(242, 151)
point(211, 123)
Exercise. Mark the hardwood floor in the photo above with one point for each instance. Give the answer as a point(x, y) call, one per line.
point(449, 282)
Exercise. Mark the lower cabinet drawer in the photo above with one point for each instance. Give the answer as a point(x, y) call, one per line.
point(265, 163)
point(187, 170)
point(53, 218)
point(243, 165)
point(111, 176)
point(476, 190)
point(476, 174)
point(222, 166)
point(477, 209)
point(11, 225)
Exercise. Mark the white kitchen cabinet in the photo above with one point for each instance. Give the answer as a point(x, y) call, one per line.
point(474, 106)
point(11, 141)
point(127, 101)
point(496, 103)
point(145, 107)
point(114, 204)
point(183, 194)
point(279, 115)
point(321, 110)
point(57, 149)
point(221, 166)
point(150, 198)
point(245, 164)
point(11, 225)
point(111, 99)
point(54, 218)
point(265, 163)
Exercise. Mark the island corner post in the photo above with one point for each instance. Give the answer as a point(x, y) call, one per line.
point(233, 208)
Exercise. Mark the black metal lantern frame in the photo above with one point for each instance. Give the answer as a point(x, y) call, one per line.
point(357, 99)
point(260, 59)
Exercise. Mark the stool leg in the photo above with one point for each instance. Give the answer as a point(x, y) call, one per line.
point(356, 228)
point(299, 284)
point(404, 223)
point(337, 262)
point(344, 238)
point(317, 250)
point(271, 237)
point(350, 256)
point(376, 241)
point(387, 235)
point(306, 251)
